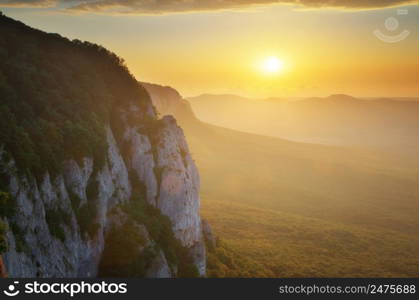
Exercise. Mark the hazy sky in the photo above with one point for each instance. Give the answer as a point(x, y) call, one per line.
point(202, 46)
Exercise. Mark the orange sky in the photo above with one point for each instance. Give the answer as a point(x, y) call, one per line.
point(325, 51)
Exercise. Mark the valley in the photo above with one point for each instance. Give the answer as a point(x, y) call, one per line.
point(289, 209)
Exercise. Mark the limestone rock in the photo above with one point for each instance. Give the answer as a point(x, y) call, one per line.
point(35, 252)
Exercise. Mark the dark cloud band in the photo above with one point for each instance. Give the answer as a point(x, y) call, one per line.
point(28, 3)
point(171, 6)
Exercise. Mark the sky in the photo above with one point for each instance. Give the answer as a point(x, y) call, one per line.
point(221, 47)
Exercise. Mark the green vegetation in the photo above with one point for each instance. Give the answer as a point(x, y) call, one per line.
point(122, 256)
point(86, 218)
point(56, 97)
point(7, 205)
point(92, 189)
point(55, 219)
point(3, 242)
point(159, 228)
point(86, 214)
point(7, 210)
point(19, 234)
point(117, 261)
point(224, 261)
point(291, 209)
point(266, 243)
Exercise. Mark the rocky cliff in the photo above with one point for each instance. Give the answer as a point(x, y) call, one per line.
point(58, 218)
point(168, 101)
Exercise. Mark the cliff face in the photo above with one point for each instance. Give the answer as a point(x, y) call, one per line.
point(168, 101)
point(59, 221)
point(175, 192)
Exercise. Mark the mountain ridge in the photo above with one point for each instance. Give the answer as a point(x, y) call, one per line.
point(284, 208)
point(83, 156)
point(383, 123)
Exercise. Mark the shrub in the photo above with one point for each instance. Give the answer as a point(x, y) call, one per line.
point(92, 189)
point(3, 243)
point(19, 234)
point(86, 214)
point(54, 108)
point(122, 256)
point(7, 205)
point(159, 227)
point(86, 218)
point(55, 218)
point(75, 200)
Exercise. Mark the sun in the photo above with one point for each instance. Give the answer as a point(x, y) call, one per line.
point(272, 65)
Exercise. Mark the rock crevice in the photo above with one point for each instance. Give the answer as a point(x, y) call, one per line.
point(35, 249)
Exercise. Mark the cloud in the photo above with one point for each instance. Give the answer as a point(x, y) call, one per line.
point(28, 3)
point(173, 6)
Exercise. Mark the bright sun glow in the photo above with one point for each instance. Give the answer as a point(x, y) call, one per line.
point(272, 65)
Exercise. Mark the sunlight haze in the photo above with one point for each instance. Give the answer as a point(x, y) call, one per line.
point(211, 139)
point(331, 50)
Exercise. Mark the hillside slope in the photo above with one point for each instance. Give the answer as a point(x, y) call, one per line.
point(283, 208)
point(335, 120)
point(91, 182)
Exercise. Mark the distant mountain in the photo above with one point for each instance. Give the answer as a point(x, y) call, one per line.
point(284, 208)
point(168, 101)
point(92, 182)
point(334, 120)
